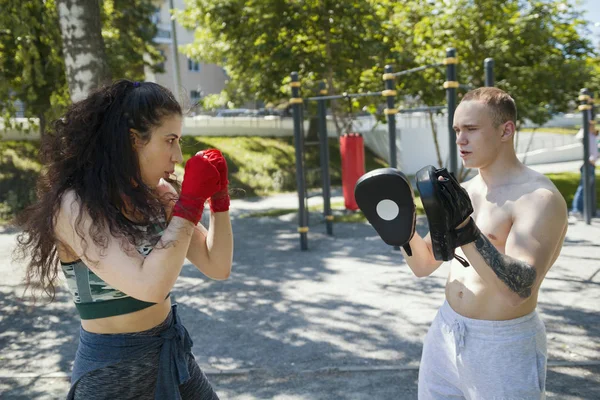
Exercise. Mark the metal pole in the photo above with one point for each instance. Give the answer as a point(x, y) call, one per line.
point(296, 102)
point(451, 85)
point(489, 71)
point(593, 179)
point(391, 111)
point(324, 152)
point(585, 175)
point(175, 55)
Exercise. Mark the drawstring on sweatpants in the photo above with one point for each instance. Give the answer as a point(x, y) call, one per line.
point(459, 330)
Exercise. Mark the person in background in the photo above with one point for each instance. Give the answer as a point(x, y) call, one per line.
point(576, 212)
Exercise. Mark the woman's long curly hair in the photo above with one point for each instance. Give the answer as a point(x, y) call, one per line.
point(91, 152)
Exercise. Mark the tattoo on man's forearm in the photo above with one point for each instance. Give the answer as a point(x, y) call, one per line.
point(517, 275)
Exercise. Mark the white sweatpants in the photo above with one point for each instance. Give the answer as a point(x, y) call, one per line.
point(465, 358)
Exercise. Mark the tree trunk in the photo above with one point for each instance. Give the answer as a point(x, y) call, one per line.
point(83, 47)
point(42, 122)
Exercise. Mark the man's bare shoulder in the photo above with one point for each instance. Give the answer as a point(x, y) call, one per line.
point(540, 195)
point(537, 181)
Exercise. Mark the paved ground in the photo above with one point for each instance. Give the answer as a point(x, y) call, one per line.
point(343, 320)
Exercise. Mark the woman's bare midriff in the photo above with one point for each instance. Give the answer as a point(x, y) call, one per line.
point(470, 297)
point(137, 321)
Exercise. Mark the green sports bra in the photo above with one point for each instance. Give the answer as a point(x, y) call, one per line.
point(93, 297)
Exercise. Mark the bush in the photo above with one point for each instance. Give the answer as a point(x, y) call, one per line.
point(19, 170)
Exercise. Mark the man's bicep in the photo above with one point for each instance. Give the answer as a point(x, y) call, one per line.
point(538, 230)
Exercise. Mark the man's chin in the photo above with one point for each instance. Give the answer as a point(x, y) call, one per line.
point(468, 164)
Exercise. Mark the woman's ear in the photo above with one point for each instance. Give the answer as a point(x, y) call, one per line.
point(134, 135)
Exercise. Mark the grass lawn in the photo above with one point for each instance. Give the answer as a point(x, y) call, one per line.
point(257, 165)
point(564, 131)
point(19, 170)
point(565, 182)
point(261, 166)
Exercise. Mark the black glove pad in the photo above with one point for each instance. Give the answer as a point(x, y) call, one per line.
point(447, 205)
point(394, 219)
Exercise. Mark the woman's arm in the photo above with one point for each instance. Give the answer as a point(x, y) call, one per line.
point(117, 262)
point(211, 251)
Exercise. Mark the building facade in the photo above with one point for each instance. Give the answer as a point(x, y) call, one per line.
point(197, 79)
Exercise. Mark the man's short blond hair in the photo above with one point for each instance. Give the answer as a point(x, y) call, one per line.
point(501, 105)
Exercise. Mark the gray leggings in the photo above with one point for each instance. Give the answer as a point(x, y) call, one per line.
point(136, 378)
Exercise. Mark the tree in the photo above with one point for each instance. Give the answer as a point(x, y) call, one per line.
point(32, 69)
point(540, 55)
point(128, 33)
point(261, 42)
point(533, 42)
point(83, 46)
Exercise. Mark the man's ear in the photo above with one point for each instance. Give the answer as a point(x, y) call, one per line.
point(508, 131)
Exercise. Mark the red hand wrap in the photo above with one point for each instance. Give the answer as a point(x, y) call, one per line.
point(201, 181)
point(219, 202)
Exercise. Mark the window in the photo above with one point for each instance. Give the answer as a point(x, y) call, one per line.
point(155, 17)
point(195, 95)
point(161, 65)
point(193, 65)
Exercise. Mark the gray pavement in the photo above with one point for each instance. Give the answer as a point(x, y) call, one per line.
point(343, 320)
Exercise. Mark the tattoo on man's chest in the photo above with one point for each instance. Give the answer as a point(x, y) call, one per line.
point(517, 275)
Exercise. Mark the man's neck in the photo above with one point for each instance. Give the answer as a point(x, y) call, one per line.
point(504, 170)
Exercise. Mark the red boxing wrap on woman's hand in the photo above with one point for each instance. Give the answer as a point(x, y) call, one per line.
point(219, 202)
point(201, 181)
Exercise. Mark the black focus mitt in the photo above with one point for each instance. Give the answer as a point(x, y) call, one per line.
point(447, 205)
point(386, 199)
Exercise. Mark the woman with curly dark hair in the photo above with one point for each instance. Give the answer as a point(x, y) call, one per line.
point(110, 216)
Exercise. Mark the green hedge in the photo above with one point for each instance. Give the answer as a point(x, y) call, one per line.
point(258, 166)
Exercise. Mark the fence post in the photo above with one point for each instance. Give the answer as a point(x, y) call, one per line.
point(585, 108)
point(593, 118)
point(390, 112)
point(324, 156)
point(489, 71)
point(451, 85)
point(296, 102)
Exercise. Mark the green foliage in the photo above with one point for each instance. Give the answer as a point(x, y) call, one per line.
point(31, 67)
point(31, 64)
point(539, 53)
point(534, 43)
point(262, 165)
point(257, 165)
point(261, 42)
point(128, 32)
point(19, 170)
point(552, 129)
point(567, 183)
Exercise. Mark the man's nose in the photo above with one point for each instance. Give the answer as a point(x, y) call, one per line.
point(461, 138)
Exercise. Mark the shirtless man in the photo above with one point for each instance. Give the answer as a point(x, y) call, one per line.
point(487, 340)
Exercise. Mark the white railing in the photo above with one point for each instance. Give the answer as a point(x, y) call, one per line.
point(415, 145)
